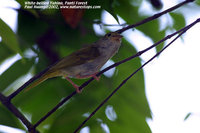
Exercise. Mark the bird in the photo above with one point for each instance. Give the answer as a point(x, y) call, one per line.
point(83, 63)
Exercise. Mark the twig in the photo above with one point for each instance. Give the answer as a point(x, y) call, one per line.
point(124, 81)
point(6, 102)
point(154, 16)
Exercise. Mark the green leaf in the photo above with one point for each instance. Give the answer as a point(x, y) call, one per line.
point(179, 20)
point(17, 70)
point(9, 37)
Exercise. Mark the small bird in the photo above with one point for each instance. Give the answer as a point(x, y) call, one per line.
point(85, 62)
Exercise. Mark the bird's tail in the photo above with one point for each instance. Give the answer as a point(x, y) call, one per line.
point(45, 76)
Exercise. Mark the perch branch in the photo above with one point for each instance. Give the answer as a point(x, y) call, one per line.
point(124, 81)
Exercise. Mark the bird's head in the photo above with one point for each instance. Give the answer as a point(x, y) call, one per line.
point(113, 36)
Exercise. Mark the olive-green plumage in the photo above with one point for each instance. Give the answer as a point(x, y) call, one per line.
point(85, 62)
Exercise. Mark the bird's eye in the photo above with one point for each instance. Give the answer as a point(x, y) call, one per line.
point(109, 35)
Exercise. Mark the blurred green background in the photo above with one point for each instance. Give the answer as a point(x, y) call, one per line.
point(45, 36)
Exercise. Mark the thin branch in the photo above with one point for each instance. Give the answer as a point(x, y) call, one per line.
point(6, 102)
point(108, 68)
point(154, 16)
point(124, 81)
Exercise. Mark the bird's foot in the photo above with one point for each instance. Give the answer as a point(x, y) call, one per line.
point(74, 85)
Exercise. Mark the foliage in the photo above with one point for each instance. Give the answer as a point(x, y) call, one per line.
point(46, 33)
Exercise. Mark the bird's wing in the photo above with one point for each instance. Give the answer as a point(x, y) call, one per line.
point(79, 57)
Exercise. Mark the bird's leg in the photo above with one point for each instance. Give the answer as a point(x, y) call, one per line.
point(73, 84)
